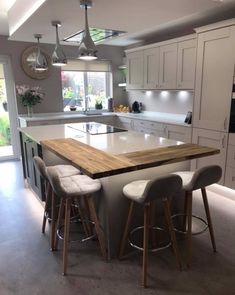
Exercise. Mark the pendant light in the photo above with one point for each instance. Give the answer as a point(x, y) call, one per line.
point(87, 49)
point(40, 64)
point(58, 57)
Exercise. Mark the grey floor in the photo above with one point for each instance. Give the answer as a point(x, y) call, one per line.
point(27, 266)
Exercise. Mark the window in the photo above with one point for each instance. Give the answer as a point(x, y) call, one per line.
point(85, 90)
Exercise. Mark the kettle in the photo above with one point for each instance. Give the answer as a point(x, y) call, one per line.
point(136, 107)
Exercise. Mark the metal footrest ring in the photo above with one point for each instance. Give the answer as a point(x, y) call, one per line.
point(75, 219)
point(154, 228)
point(194, 216)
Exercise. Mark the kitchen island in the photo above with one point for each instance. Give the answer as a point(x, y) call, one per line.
point(73, 144)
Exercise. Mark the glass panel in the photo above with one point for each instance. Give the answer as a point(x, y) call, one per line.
point(78, 85)
point(96, 90)
point(5, 133)
point(73, 89)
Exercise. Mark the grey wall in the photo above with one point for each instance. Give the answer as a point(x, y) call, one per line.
point(178, 102)
point(52, 85)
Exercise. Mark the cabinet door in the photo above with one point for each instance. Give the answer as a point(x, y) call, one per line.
point(179, 133)
point(151, 68)
point(168, 66)
point(212, 139)
point(135, 70)
point(123, 122)
point(214, 79)
point(186, 64)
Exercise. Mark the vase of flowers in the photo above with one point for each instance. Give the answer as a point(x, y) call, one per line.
point(29, 96)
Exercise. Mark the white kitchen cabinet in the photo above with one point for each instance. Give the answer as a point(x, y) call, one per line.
point(214, 79)
point(230, 165)
point(212, 139)
point(150, 127)
point(179, 133)
point(151, 68)
point(168, 66)
point(135, 70)
point(123, 122)
point(186, 64)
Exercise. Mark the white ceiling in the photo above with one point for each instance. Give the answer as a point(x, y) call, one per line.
point(141, 19)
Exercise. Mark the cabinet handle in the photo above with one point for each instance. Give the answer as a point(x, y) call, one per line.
point(225, 123)
point(223, 142)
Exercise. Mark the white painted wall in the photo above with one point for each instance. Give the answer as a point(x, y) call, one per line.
point(52, 85)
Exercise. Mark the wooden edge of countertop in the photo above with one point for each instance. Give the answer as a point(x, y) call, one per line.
point(97, 164)
point(91, 161)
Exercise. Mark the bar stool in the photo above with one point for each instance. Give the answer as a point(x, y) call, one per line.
point(70, 189)
point(63, 171)
point(192, 181)
point(145, 192)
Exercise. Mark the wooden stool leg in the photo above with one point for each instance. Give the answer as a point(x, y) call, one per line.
point(185, 213)
point(153, 237)
point(126, 230)
point(189, 196)
point(53, 220)
point(99, 231)
point(172, 232)
point(145, 244)
point(208, 216)
point(66, 234)
point(47, 205)
point(59, 219)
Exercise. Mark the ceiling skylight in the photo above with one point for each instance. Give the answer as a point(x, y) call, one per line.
point(97, 35)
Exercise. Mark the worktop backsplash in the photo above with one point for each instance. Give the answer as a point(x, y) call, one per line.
point(178, 102)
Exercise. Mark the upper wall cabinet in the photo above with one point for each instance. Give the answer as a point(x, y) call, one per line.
point(135, 69)
point(151, 68)
point(166, 65)
point(214, 78)
point(186, 64)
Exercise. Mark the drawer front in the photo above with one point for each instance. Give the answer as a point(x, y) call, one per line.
point(148, 125)
point(231, 156)
point(179, 133)
point(230, 177)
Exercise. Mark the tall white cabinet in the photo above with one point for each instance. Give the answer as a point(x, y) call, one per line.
point(214, 79)
point(213, 92)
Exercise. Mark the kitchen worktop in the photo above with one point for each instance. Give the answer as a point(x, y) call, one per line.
point(168, 118)
point(114, 143)
point(100, 155)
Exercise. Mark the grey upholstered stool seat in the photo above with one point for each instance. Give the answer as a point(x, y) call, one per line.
point(63, 171)
point(199, 179)
point(70, 189)
point(145, 192)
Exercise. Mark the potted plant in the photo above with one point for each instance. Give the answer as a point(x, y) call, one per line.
point(29, 96)
point(99, 102)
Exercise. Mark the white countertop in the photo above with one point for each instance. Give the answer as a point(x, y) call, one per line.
point(114, 143)
point(62, 115)
point(168, 118)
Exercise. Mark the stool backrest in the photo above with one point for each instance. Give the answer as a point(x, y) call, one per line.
point(205, 176)
point(162, 187)
point(54, 180)
point(40, 165)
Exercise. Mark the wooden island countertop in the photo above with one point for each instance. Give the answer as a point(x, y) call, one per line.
point(97, 163)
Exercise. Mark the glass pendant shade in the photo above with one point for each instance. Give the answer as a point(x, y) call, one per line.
point(40, 64)
point(87, 49)
point(58, 57)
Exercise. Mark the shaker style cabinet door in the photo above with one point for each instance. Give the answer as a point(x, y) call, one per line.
point(214, 79)
point(213, 139)
point(135, 70)
point(151, 68)
point(168, 66)
point(186, 64)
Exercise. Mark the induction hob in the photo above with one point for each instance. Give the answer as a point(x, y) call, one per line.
point(95, 128)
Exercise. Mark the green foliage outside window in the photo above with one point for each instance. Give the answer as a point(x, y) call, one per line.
point(5, 136)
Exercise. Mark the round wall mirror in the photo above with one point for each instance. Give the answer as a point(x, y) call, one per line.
point(28, 59)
